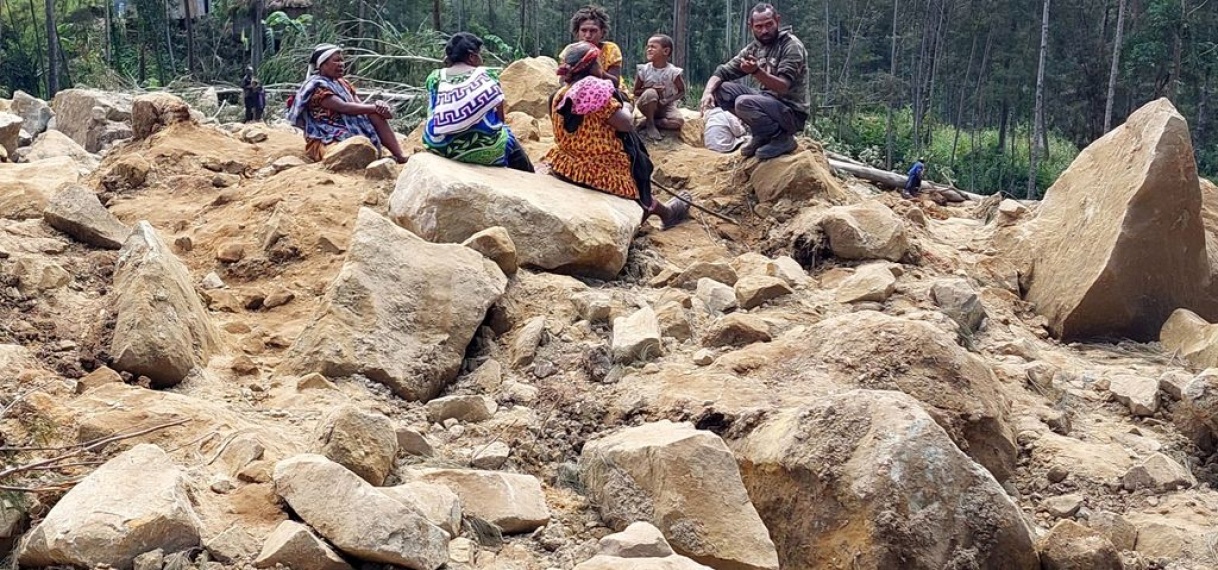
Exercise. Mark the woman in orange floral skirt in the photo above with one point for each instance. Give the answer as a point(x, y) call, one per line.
point(596, 146)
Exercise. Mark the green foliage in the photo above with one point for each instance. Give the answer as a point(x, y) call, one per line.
point(977, 164)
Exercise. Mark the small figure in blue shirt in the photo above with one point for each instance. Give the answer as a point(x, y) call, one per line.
point(913, 184)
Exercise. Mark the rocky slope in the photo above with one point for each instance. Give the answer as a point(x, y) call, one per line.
point(234, 358)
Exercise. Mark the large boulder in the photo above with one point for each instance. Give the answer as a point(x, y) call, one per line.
point(686, 483)
point(1118, 242)
point(556, 226)
point(512, 501)
point(10, 131)
point(152, 112)
point(76, 211)
point(528, 84)
point(92, 118)
point(132, 504)
point(1072, 546)
point(1192, 338)
point(356, 517)
point(869, 230)
point(161, 328)
point(401, 311)
point(798, 177)
point(34, 112)
point(364, 442)
point(54, 144)
point(25, 188)
point(868, 349)
point(867, 480)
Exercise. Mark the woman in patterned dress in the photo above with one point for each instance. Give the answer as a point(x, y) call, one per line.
point(591, 24)
point(595, 143)
point(465, 110)
point(328, 110)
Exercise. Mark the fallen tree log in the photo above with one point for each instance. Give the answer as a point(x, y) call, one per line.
point(938, 192)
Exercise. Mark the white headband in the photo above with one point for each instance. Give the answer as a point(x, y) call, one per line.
point(314, 67)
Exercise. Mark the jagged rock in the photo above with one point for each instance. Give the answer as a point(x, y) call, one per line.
point(959, 301)
point(492, 455)
point(1072, 546)
point(382, 169)
point(1140, 394)
point(1197, 413)
point(356, 517)
point(636, 337)
point(1173, 382)
point(790, 271)
point(14, 517)
point(829, 478)
point(294, 546)
point(674, 322)
point(1115, 528)
point(415, 443)
point(128, 173)
point(1010, 211)
point(593, 306)
point(715, 271)
point(639, 540)
point(161, 328)
point(512, 501)
point(401, 311)
point(1118, 242)
point(225, 180)
point(25, 188)
point(99, 377)
point(92, 118)
point(76, 211)
point(1063, 506)
point(873, 282)
point(1192, 338)
point(555, 226)
point(863, 349)
point(153, 112)
point(39, 275)
point(438, 503)
point(528, 84)
point(524, 126)
point(799, 177)
point(497, 246)
point(231, 546)
point(686, 483)
point(254, 134)
point(10, 131)
point(462, 408)
point(869, 230)
point(716, 297)
point(133, 503)
point(363, 442)
point(355, 153)
point(285, 162)
point(531, 336)
point(34, 112)
point(54, 144)
point(1158, 473)
point(756, 290)
point(736, 329)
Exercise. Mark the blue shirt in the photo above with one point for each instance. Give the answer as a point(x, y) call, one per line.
point(916, 170)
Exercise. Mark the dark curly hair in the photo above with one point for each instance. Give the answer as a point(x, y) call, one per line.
point(460, 47)
point(590, 12)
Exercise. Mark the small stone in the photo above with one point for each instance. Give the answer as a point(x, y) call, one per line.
point(230, 252)
point(224, 180)
point(488, 377)
point(544, 368)
point(354, 153)
point(183, 244)
point(1139, 394)
point(519, 393)
point(1057, 474)
point(704, 357)
point(462, 551)
point(531, 336)
point(496, 245)
point(151, 560)
point(636, 337)
point(1158, 473)
point(212, 281)
point(737, 330)
point(756, 290)
point(1172, 383)
point(285, 162)
point(491, 456)
point(382, 169)
point(873, 282)
point(717, 297)
point(721, 272)
point(244, 366)
point(1063, 506)
point(314, 381)
point(278, 298)
point(99, 377)
point(253, 134)
point(222, 486)
point(593, 306)
point(462, 408)
point(639, 540)
point(413, 442)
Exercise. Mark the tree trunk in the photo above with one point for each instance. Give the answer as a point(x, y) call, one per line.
point(1116, 62)
point(828, 51)
point(435, 14)
point(257, 35)
point(491, 20)
point(940, 193)
point(680, 17)
point(173, 64)
point(37, 35)
point(52, 51)
point(188, 9)
point(892, 95)
point(1038, 135)
point(109, 25)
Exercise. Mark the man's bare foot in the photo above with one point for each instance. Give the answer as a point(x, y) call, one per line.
point(653, 133)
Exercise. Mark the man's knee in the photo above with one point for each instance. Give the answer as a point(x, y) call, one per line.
point(752, 108)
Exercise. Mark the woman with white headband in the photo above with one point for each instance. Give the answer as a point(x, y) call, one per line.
point(327, 108)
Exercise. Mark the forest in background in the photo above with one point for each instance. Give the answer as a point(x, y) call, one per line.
point(953, 81)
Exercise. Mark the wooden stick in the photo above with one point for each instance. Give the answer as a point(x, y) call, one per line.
point(43, 465)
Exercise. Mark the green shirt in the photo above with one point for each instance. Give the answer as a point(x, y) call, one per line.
point(786, 58)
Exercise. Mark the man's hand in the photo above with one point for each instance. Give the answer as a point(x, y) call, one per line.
point(708, 101)
point(749, 65)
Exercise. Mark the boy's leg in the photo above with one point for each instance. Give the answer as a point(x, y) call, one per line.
point(649, 104)
point(669, 118)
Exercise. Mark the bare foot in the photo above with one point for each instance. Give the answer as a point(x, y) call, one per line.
point(653, 133)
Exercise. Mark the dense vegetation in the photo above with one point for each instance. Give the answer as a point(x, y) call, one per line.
point(957, 77)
